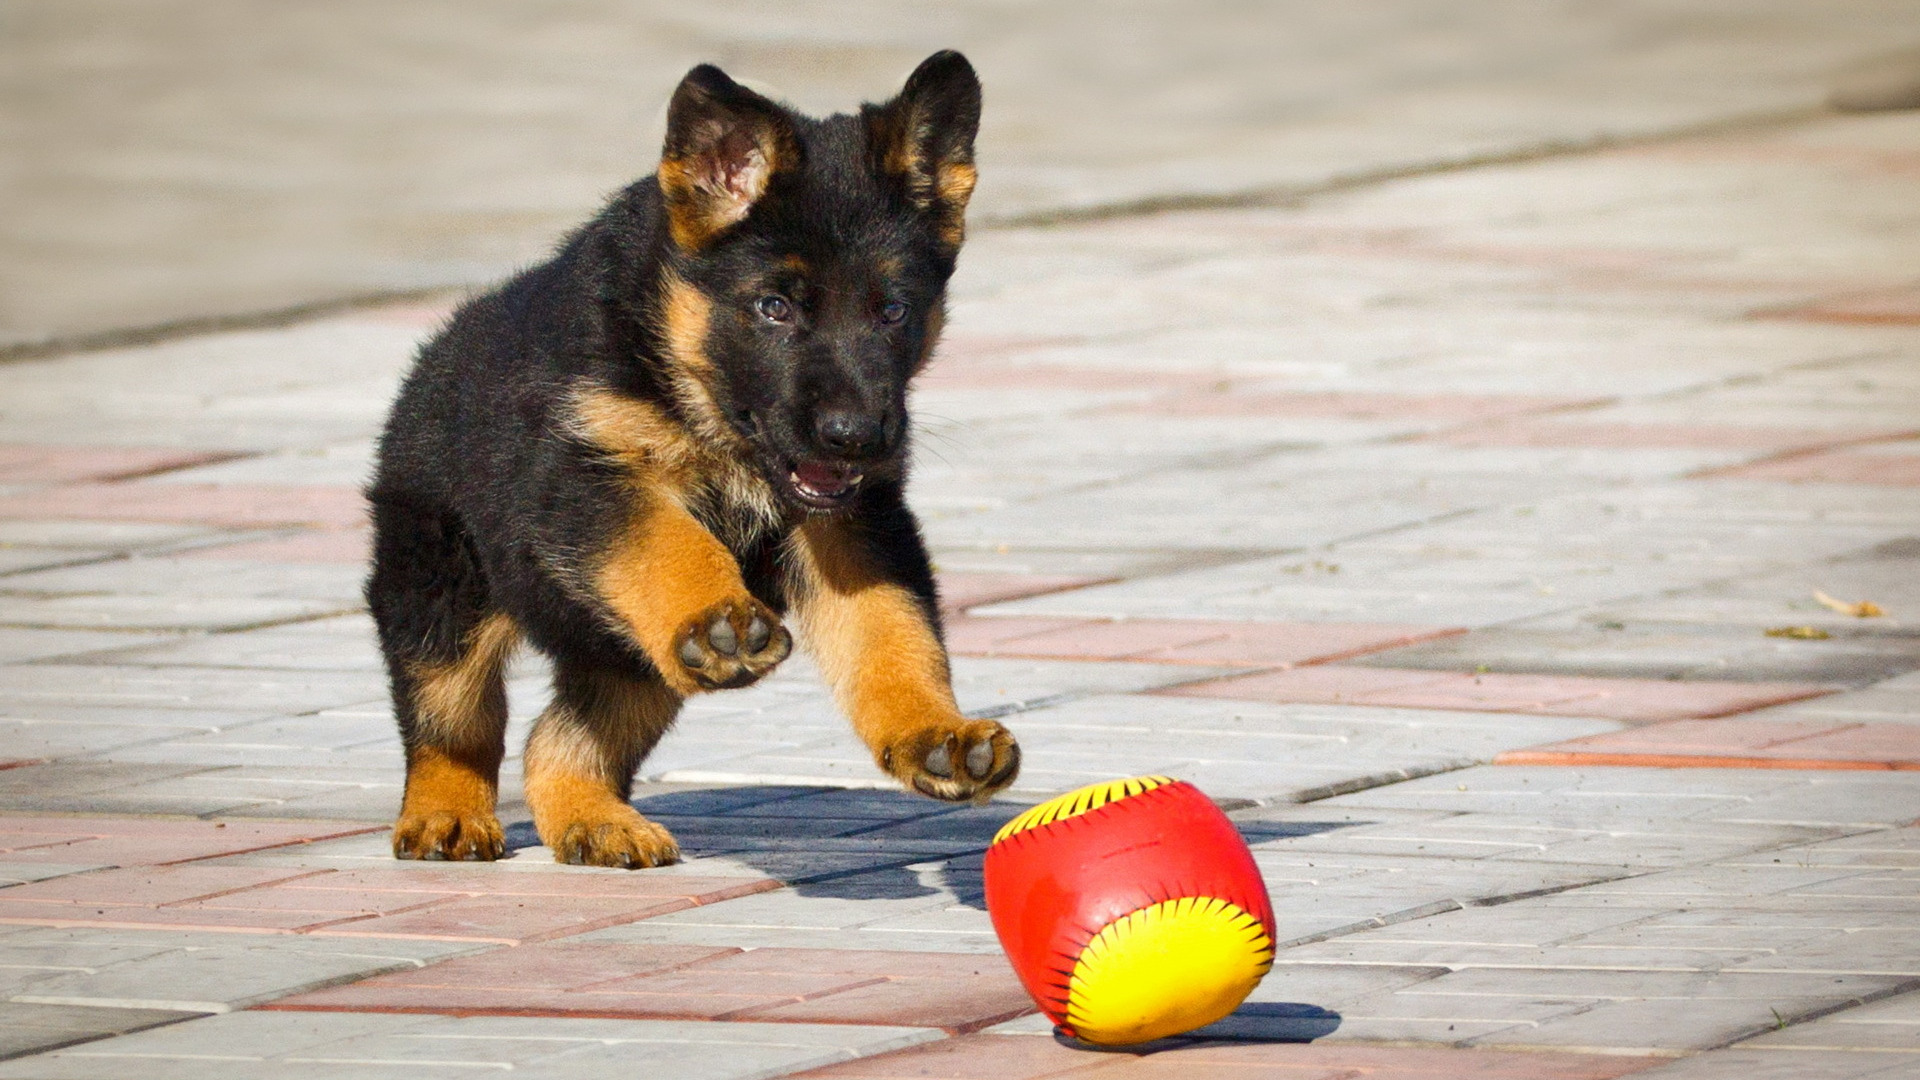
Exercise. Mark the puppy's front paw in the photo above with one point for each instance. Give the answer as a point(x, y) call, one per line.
point(446, 834)
point(969, 759)
point(621, 838)
point(730, 644)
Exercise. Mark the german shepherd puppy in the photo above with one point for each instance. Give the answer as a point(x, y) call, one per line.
point(644, 454)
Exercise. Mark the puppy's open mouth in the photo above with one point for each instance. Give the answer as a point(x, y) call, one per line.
point(823, 486)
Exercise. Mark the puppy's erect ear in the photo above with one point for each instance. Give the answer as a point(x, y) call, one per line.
point(924, 137)
point(724, 145)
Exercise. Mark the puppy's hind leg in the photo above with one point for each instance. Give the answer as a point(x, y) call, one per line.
point(580, 763)
point(445, 648)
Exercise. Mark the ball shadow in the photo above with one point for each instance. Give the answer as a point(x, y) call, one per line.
point(1254, 1022)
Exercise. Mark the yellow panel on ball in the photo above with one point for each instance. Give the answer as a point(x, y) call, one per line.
point(1166, 969)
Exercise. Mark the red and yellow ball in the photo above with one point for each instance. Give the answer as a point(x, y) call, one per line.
point(1131, 910)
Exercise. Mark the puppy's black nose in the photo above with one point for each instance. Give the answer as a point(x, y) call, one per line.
point(850, 432)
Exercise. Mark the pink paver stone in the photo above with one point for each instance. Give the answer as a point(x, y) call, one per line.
point(34, 464)
point(1018, 1057)
point(1856, 465)
point(969, 636)
point(1738, 744)
point(149, 897)
point(153, 842)
point(1181, 641)
point(211, 504)
point(960, 591)
point(611, 979)
point(1883, 307)
point(1631, 700)
point(505, 920)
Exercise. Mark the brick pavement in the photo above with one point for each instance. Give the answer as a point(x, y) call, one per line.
point(1438, 529)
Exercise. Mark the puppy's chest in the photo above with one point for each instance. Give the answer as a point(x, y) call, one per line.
point(660, 458)
point(736, 505)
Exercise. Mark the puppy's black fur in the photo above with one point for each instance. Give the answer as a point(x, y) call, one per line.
point(646, 454)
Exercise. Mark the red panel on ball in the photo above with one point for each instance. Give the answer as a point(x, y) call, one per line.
point(1060, 873)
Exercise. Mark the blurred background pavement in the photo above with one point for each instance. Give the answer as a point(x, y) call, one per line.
point(178, 160)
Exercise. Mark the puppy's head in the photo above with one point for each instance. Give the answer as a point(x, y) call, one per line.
point(807, 269)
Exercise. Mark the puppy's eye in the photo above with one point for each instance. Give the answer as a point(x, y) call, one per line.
point(774, 309)
point(892, 312)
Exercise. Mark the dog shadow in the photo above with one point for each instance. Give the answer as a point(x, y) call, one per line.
point(853, 843)
point(850, 844)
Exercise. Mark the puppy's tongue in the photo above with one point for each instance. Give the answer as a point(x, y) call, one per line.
point(825, 479)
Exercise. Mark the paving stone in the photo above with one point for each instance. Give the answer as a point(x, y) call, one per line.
point(168, 576)
point(1565, 833)
point(1751, 941)
point(1360, 405)
point(619, 980)
point(1100, 561)
point(1738, 743)
point(1254, 749)
point(1790, 597)
point(343, 643)
point(309, 792)
point(834, 916)
point(185, 971)
point(31, 1029)
point(1889, 702)
point(145, 842)
point(91, 539)
point(1740, 1063)
point(446, 905)
point(87, 787)
point(341, 464)
point(1540, 695)
point(135, 613)
point(320, 741)
point(1890, 1026)
point(18, 559)
point(129, 686)
point(257, 1043)
point(56, 464)
point(17, 645)
point(1617, 1010)
point(226, 505)
point(1893, 306)
point(962, 589)
point(167, 721)
point(1899, 467)
point(1496, 566)
point(45, 740)
point(343, 546)
point(1601, 793)
point(1181, 641)
point(1588, 430)
point(1604, 643)
point(19, 873)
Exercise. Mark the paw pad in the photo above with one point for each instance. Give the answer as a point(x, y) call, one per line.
point(732, 644)
point(971, 760)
